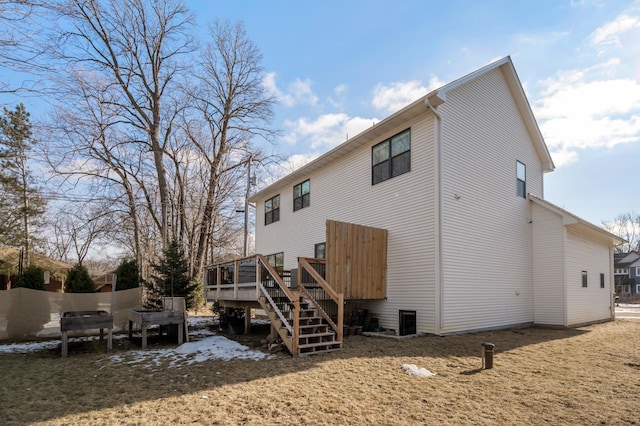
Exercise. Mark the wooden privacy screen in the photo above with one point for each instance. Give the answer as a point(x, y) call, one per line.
point(356, 260)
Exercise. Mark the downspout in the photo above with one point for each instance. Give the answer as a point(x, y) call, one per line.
point(439, 296)
point(612, 287)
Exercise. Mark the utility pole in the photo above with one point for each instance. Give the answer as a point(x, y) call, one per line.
point(246, 208)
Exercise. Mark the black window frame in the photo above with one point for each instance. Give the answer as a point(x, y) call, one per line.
point(271, 215)
point(585, 279)
point(390, 165)
point(273, 260)
point(316, 248)
point(303, 199)
point(602, 280)
point(521, 182)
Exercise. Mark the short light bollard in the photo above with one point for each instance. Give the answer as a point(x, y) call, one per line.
point(487, 355)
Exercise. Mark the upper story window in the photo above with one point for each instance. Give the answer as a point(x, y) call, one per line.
point(584, 278)
point(601, 280)
point(391, 158)
point(637, 271)
point(272, 210)
point(622, 271)
point(521, 179)
point(301, 195)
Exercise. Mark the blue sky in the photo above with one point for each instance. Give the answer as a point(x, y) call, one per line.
point(338, 66)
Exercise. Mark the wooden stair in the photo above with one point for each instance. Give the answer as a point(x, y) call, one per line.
point(314, 334)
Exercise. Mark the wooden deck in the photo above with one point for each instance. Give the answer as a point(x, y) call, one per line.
point(302, 307)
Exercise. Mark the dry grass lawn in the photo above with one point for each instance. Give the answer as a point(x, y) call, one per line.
point(587, 376)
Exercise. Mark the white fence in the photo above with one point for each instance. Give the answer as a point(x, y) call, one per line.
point(30, 314)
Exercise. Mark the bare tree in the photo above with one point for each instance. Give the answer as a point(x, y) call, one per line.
point(626, 226)
point(79, 229)
point(165, 143)
point(235, 107)
point(93, 151)
point(19, 47)
point(136, 45)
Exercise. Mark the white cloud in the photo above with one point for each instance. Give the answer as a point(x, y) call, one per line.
point(298, 92)
point(296, 161)
point(588, 109)
point(609, 33)
point(301, 91)
point(395, 96)
point(340, 89)
point(326, 131)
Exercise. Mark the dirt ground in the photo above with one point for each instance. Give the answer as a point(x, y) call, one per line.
point(587, 376)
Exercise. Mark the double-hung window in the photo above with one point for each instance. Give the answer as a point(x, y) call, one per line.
point(391, 158)
point(521, 179)
point(272, 210)
point(301, 195)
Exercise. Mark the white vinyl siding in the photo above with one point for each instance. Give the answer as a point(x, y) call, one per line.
point(403, 205)
point(549, 291)
point(487, 269)
point(592, 303)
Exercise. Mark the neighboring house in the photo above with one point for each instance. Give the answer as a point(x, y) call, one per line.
point(456, 181)
point(104, 282)
point(55, 271)
point(627, 273)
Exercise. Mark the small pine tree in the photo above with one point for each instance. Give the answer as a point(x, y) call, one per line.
point(171, 278)
point(32, 277)
point(127, 275)
point(79, 281)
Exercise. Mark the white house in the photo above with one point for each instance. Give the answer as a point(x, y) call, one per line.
point(456, 180)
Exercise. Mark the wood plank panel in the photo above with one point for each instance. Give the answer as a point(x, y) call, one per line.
point(356, 260)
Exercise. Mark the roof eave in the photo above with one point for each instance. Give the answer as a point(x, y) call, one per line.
point(571, 220)
point(366, 136)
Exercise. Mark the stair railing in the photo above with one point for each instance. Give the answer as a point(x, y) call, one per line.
point(323, 291)
point(272, 285)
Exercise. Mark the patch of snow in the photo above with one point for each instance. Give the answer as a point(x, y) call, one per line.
point(204, 345)
point(23, 348)
point(199, 322)
point(213, 347)
point(627, 307)
point(414, 370)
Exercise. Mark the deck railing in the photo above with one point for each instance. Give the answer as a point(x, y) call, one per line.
point(255, 273)
point(236, 275)
point(285, 302)
point(328, 302)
